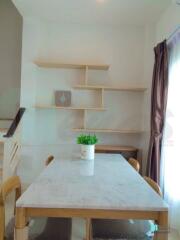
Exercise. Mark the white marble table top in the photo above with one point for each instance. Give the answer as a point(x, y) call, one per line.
point(107, 183)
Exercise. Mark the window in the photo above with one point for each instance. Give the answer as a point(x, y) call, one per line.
point(171, 141)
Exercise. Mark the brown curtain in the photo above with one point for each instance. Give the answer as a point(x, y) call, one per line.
point(158, 109)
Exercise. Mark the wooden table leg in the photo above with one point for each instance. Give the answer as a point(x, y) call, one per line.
point(163, 227)
point(21, 228)
point(88, 229)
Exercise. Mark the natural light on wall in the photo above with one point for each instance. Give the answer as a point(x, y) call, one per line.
point(170, 171)
point(172, 137)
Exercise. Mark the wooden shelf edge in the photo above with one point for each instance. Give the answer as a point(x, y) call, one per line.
point(3, 130)
point(88, 87)
point(71, 108)
point(6, 119)
point(96, 87)
point(121, 131)
point(52, 64)
point(1, 172)
point(116, 148)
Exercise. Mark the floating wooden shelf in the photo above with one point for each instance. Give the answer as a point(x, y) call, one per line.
point(6, 119)
point(106, 88)
point(1, 171)
point(1, 156)
point(44, 64)
point(87, 67)
point(71, 108)
point(115, 148)
point(122, 131)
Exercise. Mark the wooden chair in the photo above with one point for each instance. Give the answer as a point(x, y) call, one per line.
point(154, 185)
point(135, 164)
point(52, 228)
point(12, 184)
point(49, 160)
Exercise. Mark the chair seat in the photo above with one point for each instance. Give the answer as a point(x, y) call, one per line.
point(121, 229)
point(45, 229)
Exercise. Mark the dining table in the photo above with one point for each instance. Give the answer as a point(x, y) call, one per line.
point(104, 188)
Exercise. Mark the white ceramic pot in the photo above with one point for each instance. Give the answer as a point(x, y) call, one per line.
point(87, 152)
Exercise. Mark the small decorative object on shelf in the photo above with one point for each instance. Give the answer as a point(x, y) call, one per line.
point(87, 146)
point(63, 98)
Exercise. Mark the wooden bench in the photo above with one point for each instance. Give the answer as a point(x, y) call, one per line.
point(126, 151)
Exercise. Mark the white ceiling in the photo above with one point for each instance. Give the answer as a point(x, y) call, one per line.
point(113, 12)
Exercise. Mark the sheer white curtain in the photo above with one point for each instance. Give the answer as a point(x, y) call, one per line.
point(171, 142)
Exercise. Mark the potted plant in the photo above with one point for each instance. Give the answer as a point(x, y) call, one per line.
point(87, 143)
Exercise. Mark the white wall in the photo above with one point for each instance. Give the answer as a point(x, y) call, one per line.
point(125, 48)
point(10, 59)
point(168, 22)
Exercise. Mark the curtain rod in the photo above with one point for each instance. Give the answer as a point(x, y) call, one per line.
point(173, 33)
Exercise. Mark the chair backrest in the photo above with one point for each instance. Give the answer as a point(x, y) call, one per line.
point(134, 163)
point(154, 185)
point(49, 160)
point(10, 185)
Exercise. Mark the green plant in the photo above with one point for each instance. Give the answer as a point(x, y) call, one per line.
point(87, 139)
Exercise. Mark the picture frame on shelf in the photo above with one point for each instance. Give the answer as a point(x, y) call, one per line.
point(62, 98)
